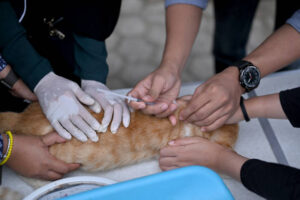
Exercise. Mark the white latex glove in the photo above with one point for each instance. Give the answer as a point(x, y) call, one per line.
point(113, 106)
point(60, 101)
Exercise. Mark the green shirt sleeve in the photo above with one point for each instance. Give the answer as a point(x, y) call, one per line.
point(16, 49)
point(90, 59)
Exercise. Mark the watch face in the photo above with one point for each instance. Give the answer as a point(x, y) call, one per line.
point(250, 77)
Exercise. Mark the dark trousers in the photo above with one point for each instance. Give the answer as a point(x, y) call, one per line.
point(233, 21)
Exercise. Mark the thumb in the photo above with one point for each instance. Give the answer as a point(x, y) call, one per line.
point(83, 97)
point(156, 88)
point(52, 138)
point(186, 141)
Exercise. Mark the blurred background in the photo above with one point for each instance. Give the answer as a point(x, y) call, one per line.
point(135, 47)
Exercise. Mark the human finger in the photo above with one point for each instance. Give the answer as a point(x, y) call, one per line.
point(204, 112)
point(84, 127)
point(217, 124)
point(167, 161)
point(196, 102)
point(171, 109)
point(117, 117)
point(156, 88)
point(52, 138)
point(186, 141)
point(89, 119)
point(155, 109)
point(125, 114)
point(61, 131)
point(73, 130)
point(168, 151)
point(81, 95)
point(51, 175)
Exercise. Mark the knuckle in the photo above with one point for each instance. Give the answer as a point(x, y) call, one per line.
point(214, 88)
point(199, 115)
point(193, 106)
point(180, 151)
point(207, 122)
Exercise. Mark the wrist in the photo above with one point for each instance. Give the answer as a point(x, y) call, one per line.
point(230, 163)
point(234, 73)
point(46, 78)
point(8, 77)
point(172, 66)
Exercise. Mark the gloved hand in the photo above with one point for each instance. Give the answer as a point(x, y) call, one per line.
point(60, 101)
point(112, 105)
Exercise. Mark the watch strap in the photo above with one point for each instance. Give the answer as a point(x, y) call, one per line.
point(243, 108)
point(241, 64)
point(10, 79)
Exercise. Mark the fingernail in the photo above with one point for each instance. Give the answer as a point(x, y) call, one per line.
point(173, 122)
point(142, 106)
point(171, 142)
point(164, 106)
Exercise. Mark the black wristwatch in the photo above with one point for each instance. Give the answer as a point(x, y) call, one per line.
point(249, 75)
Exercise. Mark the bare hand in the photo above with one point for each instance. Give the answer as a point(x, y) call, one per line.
point(214, 101)
point(200, 151)
point(30, 157)
point(162, 87)
point(190, 151)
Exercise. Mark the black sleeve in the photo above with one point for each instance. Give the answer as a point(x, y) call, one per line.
point(270, 180)
point(290, 102)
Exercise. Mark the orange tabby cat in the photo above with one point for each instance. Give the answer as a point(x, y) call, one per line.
point(142, 140)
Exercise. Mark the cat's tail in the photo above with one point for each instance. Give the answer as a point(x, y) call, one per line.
point(8, 120)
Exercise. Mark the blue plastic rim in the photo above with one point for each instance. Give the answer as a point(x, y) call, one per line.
point(192, 183)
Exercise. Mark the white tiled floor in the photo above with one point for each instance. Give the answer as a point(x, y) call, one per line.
point(252, 142)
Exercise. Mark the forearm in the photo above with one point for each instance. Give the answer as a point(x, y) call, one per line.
point(280, 49)
point(230, 163)
point(182, 24)
point(265, 106)
point(268, 106)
